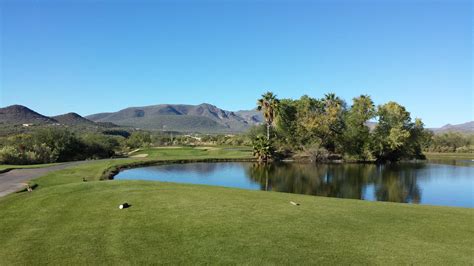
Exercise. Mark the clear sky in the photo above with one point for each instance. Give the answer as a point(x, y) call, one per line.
point(95, 56)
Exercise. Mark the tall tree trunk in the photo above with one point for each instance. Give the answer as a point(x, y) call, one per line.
point(266, 180)
point(268, 131)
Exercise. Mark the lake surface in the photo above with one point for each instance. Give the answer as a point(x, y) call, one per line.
point(446, 183)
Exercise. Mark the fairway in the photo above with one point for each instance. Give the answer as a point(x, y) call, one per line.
point(80, 223)
point(67, 221)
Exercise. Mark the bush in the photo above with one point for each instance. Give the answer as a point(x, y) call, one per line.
point(37, 154)
point(315, 153)
point(262, 148)
point(10, 155)
point(56, 145)
point(139, 139)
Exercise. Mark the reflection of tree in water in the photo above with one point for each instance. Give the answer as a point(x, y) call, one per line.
point(191, 167)
point(344, 181)
point(398, 183)
point(392, 183)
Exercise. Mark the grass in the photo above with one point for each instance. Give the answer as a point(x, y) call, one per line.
point(175, 153)
point(449, 155)
point(66, 221)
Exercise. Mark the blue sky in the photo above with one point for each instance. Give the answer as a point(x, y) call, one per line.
point(96, 56)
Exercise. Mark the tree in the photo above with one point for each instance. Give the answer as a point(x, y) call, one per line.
point(395, 136)
point(325, 120)
point(357, 134)
point(307, 110)
point(450, 142)
point(333, 121)
point(286, 121)
point(62, 142)
point(268, 104)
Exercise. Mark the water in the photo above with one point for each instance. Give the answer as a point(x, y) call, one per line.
point(446, 183)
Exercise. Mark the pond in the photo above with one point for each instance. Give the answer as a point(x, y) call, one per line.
point(446, 183)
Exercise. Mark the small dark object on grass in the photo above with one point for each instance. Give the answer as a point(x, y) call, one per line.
point(294, 203)
point(124, 206)
point(84, 179)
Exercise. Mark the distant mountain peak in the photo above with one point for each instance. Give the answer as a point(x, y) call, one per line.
point(467, 127)
point(73, 119)
point(19, 114)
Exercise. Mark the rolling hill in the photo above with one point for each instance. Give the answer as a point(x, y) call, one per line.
point(73, 119)
point(19, 114)
point(205, 118)
point(461, 128)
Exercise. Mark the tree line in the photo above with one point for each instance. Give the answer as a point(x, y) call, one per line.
point(451, 142)
point(48, 145)
point(328, 128)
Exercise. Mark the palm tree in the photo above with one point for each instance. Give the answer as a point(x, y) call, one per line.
point(268, 104)
point(331, 99)
point(262, 149)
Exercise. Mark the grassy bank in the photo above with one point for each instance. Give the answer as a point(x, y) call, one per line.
point(449, 155)
point(67, 221)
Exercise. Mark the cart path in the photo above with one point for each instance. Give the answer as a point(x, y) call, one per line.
point(15, 179)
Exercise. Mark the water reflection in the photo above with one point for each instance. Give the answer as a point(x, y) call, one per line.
point(392, 183)
point(416, 182)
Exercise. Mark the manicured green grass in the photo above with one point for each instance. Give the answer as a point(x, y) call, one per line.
point(174, 153)
point(80, 223)
point(67, 221)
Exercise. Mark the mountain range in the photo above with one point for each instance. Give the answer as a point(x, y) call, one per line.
point(467, 127)
point(203, 118)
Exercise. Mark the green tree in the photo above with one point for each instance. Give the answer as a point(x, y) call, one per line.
point(395, 137)
point(307, 109)
point(325, 120)
point(333, 121)
point(357, 134)
point(268, 104)
point(451, 142)
point(63, 143)
point(286, 121)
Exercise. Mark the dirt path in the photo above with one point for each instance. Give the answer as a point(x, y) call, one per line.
point(14, 180)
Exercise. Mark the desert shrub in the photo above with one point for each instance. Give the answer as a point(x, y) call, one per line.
point(56, 145)
point(10, 155)
point(139, 139)
point(37, 154)
point(99, 146)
